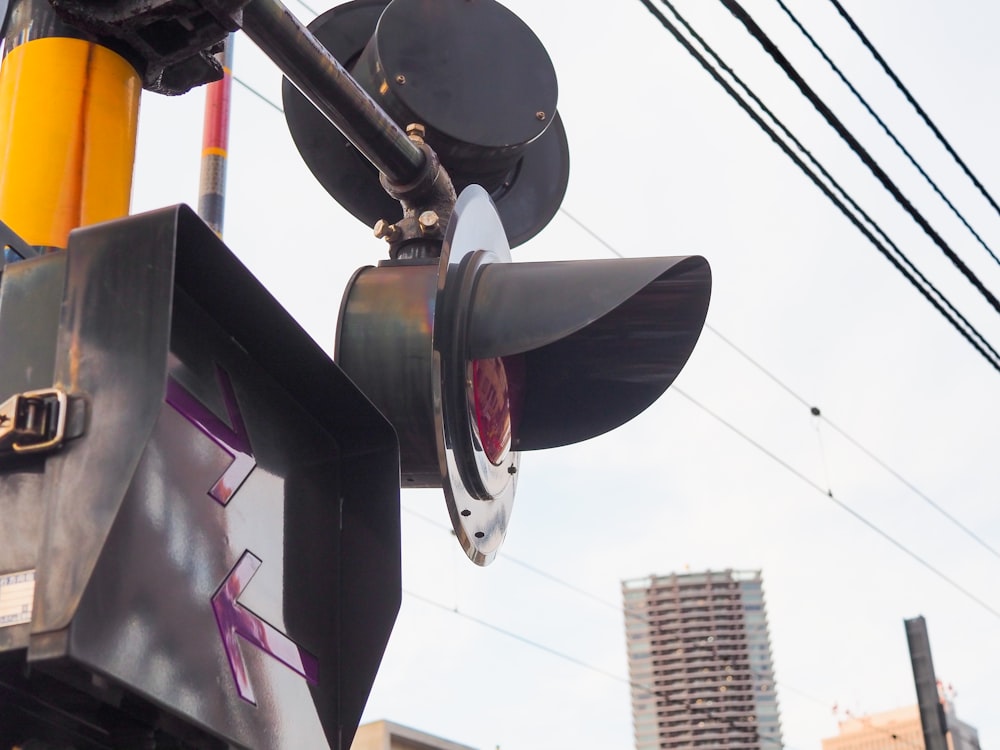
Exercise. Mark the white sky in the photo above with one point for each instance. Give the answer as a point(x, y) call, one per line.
point(663, 163)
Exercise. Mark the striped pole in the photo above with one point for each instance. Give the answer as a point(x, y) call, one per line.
point(215, 144)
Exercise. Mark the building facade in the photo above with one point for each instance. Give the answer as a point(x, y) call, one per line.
point(700, 662)
point(899, 728)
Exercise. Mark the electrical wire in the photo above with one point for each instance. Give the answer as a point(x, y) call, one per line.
point(607, 245)
point(941, 303)
point(617, 608)
point(454, 610)
point(255, 92)
point(827, 492)
point(629, 613)
point(307, 7)
point(815, 411)
point(864, 103)
point(650, 691)
point(834, 192)
point(909, 485)
point(782, 686)
point(772, 49)
point(913, 102)
point(982, 346)
point(842, 505)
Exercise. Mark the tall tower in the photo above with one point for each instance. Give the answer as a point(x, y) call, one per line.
point(700, 662)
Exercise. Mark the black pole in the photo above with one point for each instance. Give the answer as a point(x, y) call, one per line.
point(332, 90)
point(932, 719)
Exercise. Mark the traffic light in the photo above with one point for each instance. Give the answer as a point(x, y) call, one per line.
point(474, 359)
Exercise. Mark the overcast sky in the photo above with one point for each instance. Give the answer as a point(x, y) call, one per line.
point(664, 163)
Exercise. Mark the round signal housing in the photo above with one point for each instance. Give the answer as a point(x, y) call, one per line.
point(474, 359)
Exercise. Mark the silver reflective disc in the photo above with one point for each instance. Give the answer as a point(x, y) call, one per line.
point(478, 485)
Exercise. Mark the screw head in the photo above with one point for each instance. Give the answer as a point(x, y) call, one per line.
point(400, 79)
point(540, 115)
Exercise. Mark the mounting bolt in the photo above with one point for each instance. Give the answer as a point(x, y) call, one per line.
point(416, 132)
point(386, 231)
point(540, 115)
point(428, 220)
point(400, 79)
point(512, 469)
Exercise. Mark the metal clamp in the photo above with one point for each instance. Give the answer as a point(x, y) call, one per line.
point(33, 422)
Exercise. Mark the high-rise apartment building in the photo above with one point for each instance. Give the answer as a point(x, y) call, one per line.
point(700, 662)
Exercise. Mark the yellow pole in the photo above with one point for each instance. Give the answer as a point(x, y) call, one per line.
point(68, 116)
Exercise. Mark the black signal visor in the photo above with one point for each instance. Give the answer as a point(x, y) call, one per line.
point(601, 339)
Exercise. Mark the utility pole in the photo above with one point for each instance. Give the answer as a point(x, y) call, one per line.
point(215, 143)
point(932, 718)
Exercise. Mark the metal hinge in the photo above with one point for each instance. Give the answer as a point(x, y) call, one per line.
point(33, 422)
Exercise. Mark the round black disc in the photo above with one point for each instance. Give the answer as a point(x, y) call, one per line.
point(495, 142)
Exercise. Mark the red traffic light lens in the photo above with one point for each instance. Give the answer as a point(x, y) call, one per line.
point(497, 394)
point(491, 403)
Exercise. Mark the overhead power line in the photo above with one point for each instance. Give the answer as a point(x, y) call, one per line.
point(534, 644)
point(847, 508)
point(923, 496)
point(815, 410)
point(896, 257)
point(781, 384)
point(772, 49)
point(652, 692)
point(827, 185)
point(255, 92)
point(782, 686)
point(864, 103)
point(308, 7)
point(828, 492)
point(916, 106)
point(843, 506)
point(616, 607)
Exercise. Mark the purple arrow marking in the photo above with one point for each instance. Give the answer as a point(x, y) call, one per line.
point(236, 620)
point(233, 440)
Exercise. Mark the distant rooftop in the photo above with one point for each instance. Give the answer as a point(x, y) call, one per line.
point(705, 576)
point(386, 735)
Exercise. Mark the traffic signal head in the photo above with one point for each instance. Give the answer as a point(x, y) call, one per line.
point(474, 359)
